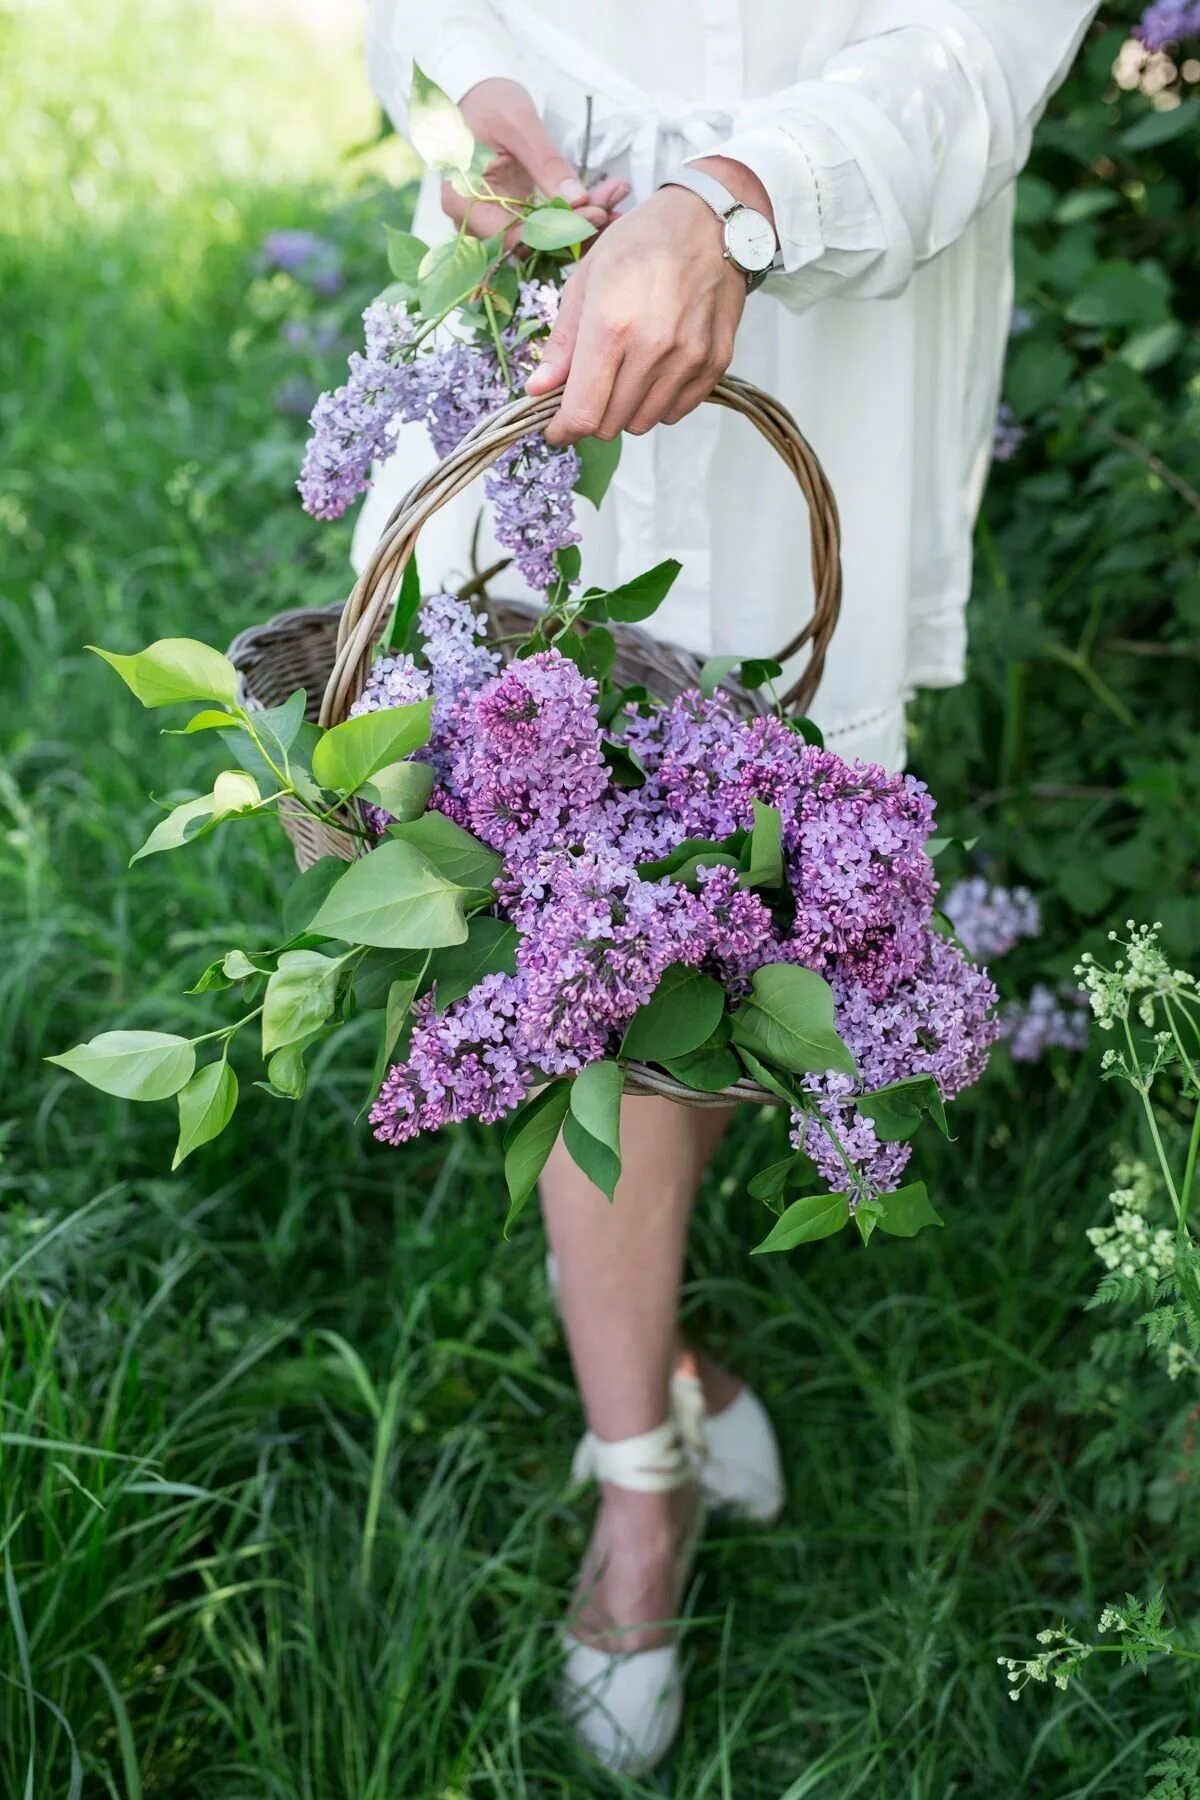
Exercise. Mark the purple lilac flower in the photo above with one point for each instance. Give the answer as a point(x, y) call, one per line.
point(733, 926)
point(450, 385)
point(1168, 22)
point(310, 258)
point(351, 427)
point(530, 768)
point(462, 1064)
point(459, 662)
point(295, 397)
point(595, 940)
point(1007, 436)
point(1046, 1020)
point(990, 920)
point(941, 1022)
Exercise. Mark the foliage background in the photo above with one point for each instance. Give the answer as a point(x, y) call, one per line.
point(283, 1440)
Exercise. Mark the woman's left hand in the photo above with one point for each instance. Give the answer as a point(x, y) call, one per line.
point(646, 323)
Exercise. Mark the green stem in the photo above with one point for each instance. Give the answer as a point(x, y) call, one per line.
point(227, 1031)
point(497, 340)
point(1148, 1109)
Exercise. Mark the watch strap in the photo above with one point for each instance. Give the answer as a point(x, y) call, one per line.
point(717, 197)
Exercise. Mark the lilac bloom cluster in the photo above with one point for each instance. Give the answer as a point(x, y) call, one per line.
point(1046, 1020)
point(990, 920)
point(527, 774)
point(449, 384)
point(939, 1022)
point(1168, 22)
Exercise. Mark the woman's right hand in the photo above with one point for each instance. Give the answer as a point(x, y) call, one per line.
point(502, 116)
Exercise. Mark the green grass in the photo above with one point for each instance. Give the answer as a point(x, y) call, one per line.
point(284, 1439)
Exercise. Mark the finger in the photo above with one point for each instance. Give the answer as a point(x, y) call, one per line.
point(609, 193)
point(559, 347)
point(659, 401)
point(530, 142)
point(643, 388)
point(688, 398)
point(594, 370)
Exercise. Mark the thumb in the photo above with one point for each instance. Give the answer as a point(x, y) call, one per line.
point(550, 172)
point(559, 347)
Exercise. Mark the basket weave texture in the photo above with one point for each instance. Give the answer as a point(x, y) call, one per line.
point(328, 650)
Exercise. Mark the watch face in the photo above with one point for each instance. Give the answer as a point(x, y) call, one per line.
point(750, 239)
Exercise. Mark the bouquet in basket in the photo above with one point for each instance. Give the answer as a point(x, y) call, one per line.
point(561, 886)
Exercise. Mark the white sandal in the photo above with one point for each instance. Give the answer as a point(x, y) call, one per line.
point(735, 1451)
point(626, 1707)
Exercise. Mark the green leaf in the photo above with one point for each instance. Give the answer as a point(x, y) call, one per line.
point(237, 966)
point(300, 997)
point(404, 254)
point(640, 598)
point(531, 1135)
point(907, 1211)
point(593, 652)
point(350, 753)
point(804, 728)
point(455, 853)
point(756, 671)
point(690, 850)
point(782, 1086)
point(710, 1069)
point(134, 1065)
point(788, 1020)
point(490, 949)
point(402, 789)
point(1116, 293)
point(1036, 377)
point(466, 181)
point(770, 1182)
point(401, 626)
point(449, 272)
point(286, 1072)
point(624, 765)
point(764, 852)
point(234, 792)
point(208, 720)
point(555, 228)
point(437, 130)
point(714, 671)
point(305, 896)
point(175, 669)
point(1151, 348)
point(1160, 127)
point(279, 727)
point(568, 561)
point(681, 1014)
point(597, 465)
point(895, 1110)
point(205, 1108)
point(394, 899)
point(378, 969)
point(400, 997)
point(181, 824)
point(806, 1220)
point(688, 873)
point(592, 1131)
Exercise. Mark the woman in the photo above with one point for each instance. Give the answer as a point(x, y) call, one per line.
point(820, 198)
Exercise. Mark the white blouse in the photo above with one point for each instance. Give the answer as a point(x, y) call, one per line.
point(888, 134)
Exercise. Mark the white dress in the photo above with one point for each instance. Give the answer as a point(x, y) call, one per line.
point(888, 134)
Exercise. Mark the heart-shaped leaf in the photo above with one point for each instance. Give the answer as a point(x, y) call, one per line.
point(806, 1220)
point(352, 752)
point(206, 1106)
point(300, 996)
point(788, 1020)
point(681, 1014)
point(437, 129)
point(175, 669)
point(394, 899)
point(531, 1135)
point(134, 1065)
point(555, 228)
point(907, 1211)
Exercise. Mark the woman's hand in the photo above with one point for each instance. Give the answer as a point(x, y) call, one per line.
point(647, 321)
point(502, 116)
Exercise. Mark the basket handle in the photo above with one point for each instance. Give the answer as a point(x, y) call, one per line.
point(367, 610)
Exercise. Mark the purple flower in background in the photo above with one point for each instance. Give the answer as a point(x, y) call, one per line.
point(310, 258)
point(990, 920)
point(295, 397)
point(1168, 22)
point(1046, 1020)
point(1008, 435)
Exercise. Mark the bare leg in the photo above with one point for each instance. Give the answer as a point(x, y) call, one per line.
point(619, 1270)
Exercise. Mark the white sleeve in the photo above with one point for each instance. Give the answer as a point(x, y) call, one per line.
point(884, 159)
point(455, 42)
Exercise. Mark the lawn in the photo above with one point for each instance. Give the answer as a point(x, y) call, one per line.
point(284, 1508)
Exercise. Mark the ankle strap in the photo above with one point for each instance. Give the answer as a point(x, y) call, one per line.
point(653, 1463)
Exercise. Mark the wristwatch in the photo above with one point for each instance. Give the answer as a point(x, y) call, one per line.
point(750, 241)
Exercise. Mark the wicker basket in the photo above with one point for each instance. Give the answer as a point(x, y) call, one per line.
point(327, 651)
